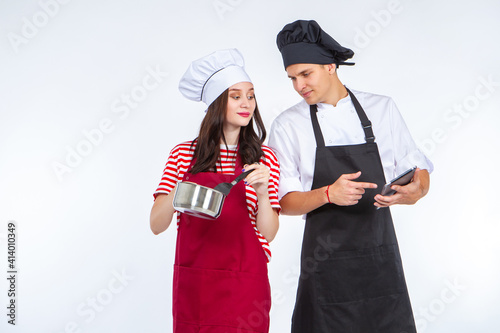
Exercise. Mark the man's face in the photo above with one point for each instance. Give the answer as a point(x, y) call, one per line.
point(312, 82)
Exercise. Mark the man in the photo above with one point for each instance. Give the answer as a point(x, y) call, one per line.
point(337, 148)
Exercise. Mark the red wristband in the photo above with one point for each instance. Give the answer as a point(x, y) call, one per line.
point(326, 192)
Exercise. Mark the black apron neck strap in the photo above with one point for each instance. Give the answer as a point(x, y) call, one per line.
point(365, 122)
point(320, 141)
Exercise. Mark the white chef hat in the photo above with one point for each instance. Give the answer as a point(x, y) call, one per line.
point(208, 77)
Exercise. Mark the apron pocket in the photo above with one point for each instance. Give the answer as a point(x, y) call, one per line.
point(387, 314)
point(351, 276)
point(222, 298)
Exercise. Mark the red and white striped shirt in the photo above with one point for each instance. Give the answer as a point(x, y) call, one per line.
point(178, 164)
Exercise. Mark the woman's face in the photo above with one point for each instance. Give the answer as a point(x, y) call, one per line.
point(240, 105)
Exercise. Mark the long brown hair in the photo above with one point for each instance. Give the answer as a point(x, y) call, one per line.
point(207, 151)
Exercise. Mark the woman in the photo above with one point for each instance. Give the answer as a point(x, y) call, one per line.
point(220, 271)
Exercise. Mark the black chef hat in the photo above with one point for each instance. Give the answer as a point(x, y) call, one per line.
point(304, 42)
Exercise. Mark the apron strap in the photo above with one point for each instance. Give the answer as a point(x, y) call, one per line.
point(237, 165)
point(320, 141)
point(365, 122)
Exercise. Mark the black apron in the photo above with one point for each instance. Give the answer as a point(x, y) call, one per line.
point(351, 278)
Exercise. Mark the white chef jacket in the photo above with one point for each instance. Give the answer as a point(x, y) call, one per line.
point(292, 138)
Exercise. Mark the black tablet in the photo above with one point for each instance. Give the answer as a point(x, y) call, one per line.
point(402, 179)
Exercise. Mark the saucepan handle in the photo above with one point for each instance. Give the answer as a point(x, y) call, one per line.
point(240, 177)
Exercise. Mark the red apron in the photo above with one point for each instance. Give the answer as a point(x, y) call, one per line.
point(220, 272)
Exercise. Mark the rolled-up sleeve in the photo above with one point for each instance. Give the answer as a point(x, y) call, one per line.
point(406, 152)
point(288, 158)
point(170, 175)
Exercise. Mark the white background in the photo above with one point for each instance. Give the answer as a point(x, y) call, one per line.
point(87, 259)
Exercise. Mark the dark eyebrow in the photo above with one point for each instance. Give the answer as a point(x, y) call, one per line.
point(301, 73)
point(235, 89)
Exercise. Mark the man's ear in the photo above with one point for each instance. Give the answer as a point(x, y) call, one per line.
point(331, 68)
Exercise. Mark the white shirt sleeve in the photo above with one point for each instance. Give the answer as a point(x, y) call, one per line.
point(288, 157)
point(406, 152)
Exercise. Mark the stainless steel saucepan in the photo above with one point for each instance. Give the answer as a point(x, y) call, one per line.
point(201, 201)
